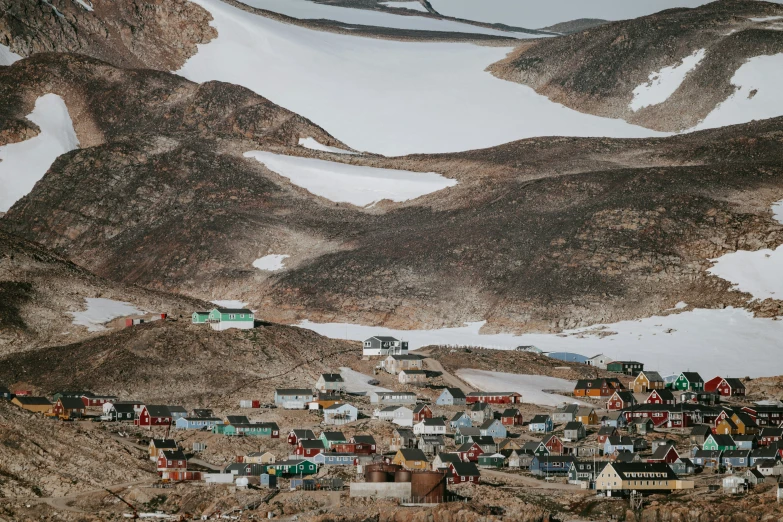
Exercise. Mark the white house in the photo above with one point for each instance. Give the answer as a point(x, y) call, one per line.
point(383, 345)
point(599, 361)
point(293, 398)
point(225, 318)
point(395, 363)
point(434, 426)
point(330, 382)
point(340, 414)
point(412, 377)
point(392, 397)
point(399, 415)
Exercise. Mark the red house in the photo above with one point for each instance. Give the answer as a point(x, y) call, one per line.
point(460, 472)
point(421, 412)
point(606, 432)
point(365, 444)
point(469, 451)
point(494, 397)
point(171, 463)
point(68, 407)
point(553, 444)
point(153, 416)
point(667, 454)
point(91, 400)
point(511, 417)
point(728, 387)
point(294, 436)
point(765, 415)
point(620, 400)
point(770, 436)
point(309, 448)
point(661, 397)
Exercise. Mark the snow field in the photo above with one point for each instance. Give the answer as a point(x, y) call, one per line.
point(530, 386)
point(100, 311)
point(229, 303)
point(353, 184)
point(271, 263)
point(358, 382)
point(664, 83)
point(412, 5)
point(23, 164)
point(7, 57)
point(312, 144)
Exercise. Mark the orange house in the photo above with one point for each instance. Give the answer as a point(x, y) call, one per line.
point(596, 387)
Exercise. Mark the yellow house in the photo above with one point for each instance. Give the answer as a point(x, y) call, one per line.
point(34, 404)
point(586, 416)
point(639, 476)
point(257, 457)
point(727, 427)
point(411, 458)
point(745, 424)
point(509, 444)
point(647, 381)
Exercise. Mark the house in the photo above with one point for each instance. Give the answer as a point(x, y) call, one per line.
point(665, 453)
point(726, 426)
point(339, 414)
point(689, 381)
point(293, 398)
point(383, 345)
point(309, 448)
point(727, 387)
point(519, 459)
point(334, 459)
point(245, 469)
point(754, 477)
point(480, 411)
point(661, 396)
point(415, 377)
point(626, 367)
point(434, 426)
point(177, 412)
point(511, 417)
point(196, 423)
point(295, 467)
point(461, 472)
point(745, 423)
point(762, 454)
point(620, 400)
point(648, 380)
point(199, 317)
point(770, 436)
point(491, 460)
point(359, 444)
point(605, 432)
point(587, 416)
point(770, 468)
point(33, 404)
point(330, 383)
point(487, 444)
point(120, 412)
point(699, 434)
point(622, 443)
point(394, 364)
point(431, 444)
point(421, 412)
point(153, 415)
point(735, 459)
point(224, 318)
point(642, 426)
point(466, 434)
point(203, 413)
point(92, 400)
point(553, 444)
point(574, 431)
point(745, 442)
point(402, 438)
point(470, 452)
point(330, 438)
point(399, 415)
point(640, 444)
point(509, 444)
point(702, 397)
point(535, 448)
point(295, 435)
point(765, 415)
point(683, 466)
point(719, 442)
point(596, 387)
point(444, 460)
point(599, 361)
point(707, 458)
point(460, 420)
point(584, 470)
point(638, 476)
point(410, 458)
point(256, 457)
point(615, 419)
point(551, 465)
point(540, 424)
point(171, 462)
point(324, 400)
point(451, 397)
point(734, 484)
point(565, 413)
point(494, 397)
point(493, 428)
point(68, 408)
point(157, 445)
point(393, 398)
point(258, 429)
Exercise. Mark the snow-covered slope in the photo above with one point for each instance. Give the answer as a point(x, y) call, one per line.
point(6, 56)
point(23, 164)
point(100, 311)
point(271, 262)
point(353, 184)
point(384, 96)
point(413, 5)
point(530, 386)
point(663, 83)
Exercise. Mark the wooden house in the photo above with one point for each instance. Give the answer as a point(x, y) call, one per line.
point(596, 387)
point(120, 412)
point(170, 463)
point(309, 448)
point(330, 438)
point(225, 318)
point(463, 472)
point(625, 367)
point(410, 458)
point(481, 411)
point(587, 416)
point(491, 460)
point(460, 420)
point(605, 432)
point(565, 413)
point(257, 457)
point(444, 460)
point(765, 416)
point(584, 470)
point(432, 426)
point(746, 442)
point(33, 404)
point(620, 400)
point(665, 453)
point(618, 443)
point(68, 408)
point(383, 346)
point(330, 383)
point(770, 436)
point(719, 442)
point(493, 397)
point(295, 435)
point(646, 381)
point(293, 398)
point(735, 459)
point(511, 417)
point(451, 397)
point(770, 467)
point(553, 444)
point(421, 412)
point(745, 423)
point(196, 423)
point(661, 396)
point(402, 438)
point(294, 467)
point(153, 415)
point(707, 458)
point(339, 414)
point(509, 444)
point(535, 448)
point(157, 445)
point(551, 465)
point(199, 317)
point(493, 428)
point(642, 426)
point(470, 452)
point(689, 381)
point(727, 387)
point(599, 361)
point(760, 454)
point(540, 424)
point(415, 377)
point(574, 431)
point(393, 398)
point(699, 434)
point(639, 476)
point(466, 434)
point(431, 444)
point(394, 364)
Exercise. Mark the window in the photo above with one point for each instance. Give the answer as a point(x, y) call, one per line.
point(232, 316)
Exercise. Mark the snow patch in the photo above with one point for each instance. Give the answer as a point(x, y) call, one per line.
point(759, 272)
point(100, 311)
point(353, 184)
point(777, 211)
point(359, 382)
point(530, 386)
point(664, 83)
point(229, 303)
point(270, 263)
point(312, 144)
point(85, 4)
point(23, 164)
point(412, 5)
point(7, 57)
point(766, 19)
point(384, 96)
point(757, 97)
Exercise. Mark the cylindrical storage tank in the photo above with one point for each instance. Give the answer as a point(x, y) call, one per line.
point(402, 475)
point(428, 487)
point(376, 476)
point(389, 469)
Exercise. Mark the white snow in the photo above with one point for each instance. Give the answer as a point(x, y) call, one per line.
point(412, 5)
point(358, 382)
point(530, 386)
point(757, 96)
point(385, 96)
point(308, 10)
point(777, 211)
point(353, 184)
point(310, 143)
point(681, 305)
point(766, 19)
point(270, 263)
point(100, 311)
point(703, 340)
point(664, 83)
point(7, 57)
point(229, 303)
point(23, 164)
point(759, 272)
point(84, 4)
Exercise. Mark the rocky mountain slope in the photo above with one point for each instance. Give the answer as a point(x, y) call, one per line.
point(543, 233)
point(597, 70)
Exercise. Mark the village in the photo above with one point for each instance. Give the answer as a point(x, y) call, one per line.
point(407, 433)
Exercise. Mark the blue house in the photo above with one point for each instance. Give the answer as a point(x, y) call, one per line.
point(268, 481)
point(613, 444)
point(451, 397)
point(196, 423)
point(746, 442)
point(707, 458)
point(460, 420)
point(540, 424)
point(334, 459)
point(735, 459)
point(493, 428)
point(551, 464)
point(757, 455)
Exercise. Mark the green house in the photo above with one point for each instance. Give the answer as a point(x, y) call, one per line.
point(495, 460)
point(626, 367)
point(225, 318)
point(689, 381)
point(200, 318)
point(261, 429)
point(330, 438)
point(719, 443)
point(295, 467)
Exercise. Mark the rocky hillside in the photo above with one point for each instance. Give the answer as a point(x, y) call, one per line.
point(597, 70)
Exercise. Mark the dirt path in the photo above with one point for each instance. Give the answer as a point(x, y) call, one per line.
point(193, 460)
point(452, 380)
point(527, 481)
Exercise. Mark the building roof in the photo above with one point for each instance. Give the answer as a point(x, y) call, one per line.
point(653, 376)
point(665, 395)
point(414, 372)
point(734, 383)
point(768, 463)
point(626, 396)
point(339, 406)
point(628, 456)
point(290, 392)
point(692, 377)
point(333, 436)
point(712, 454)
point(723, 440)
point(539, 419)
point(764, 453)
point(465, 469)
point(625, 363)
point(384, 338)
point(202, 412)
point(772, 432)
point(746, 419)
point(435, 421)
point(303, 433)
point(162, 444)
point(158, 410)
point(624, 440)
point(607, 430)
point(456, 393)
point(405, 432)
point(469, 431)
point(466, 446)
point(311, 444)
point(177, 409)
point(585, 411)
point(483, 440)
point(412, 454)
point(510, 412)
point(26, 400)
point(626, 470)
point(569, 408)
point(448, 458)
point(480, 406)
point(332, 377)
point(460, 414)
point(173, 455)
point(233, 310)
point(661, 452)
point(123, 408)
point(71, 403)
point(573, 425)
point(406, 357)
point(363, 439)
point(701, 429)
point(237, 419)
point(395, 394)
point(736, 454)
point(493, 394)
point(487, 424)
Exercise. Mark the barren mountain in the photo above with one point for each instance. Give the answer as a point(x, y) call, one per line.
point(543, 233)
point(597, 70)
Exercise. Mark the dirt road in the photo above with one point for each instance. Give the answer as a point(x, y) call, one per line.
point(527, 481)
point(452, 380)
